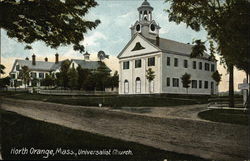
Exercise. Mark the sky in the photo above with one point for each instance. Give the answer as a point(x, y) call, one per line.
point(111, 36)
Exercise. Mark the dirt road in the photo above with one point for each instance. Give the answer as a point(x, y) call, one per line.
point(172, 130)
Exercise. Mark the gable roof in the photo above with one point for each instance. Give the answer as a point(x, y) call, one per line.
point(58, 65)
point(166, 45)
point(92, 65)
point(40, 65)
point(137, 34)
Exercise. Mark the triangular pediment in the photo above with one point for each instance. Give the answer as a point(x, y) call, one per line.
point(138, 45)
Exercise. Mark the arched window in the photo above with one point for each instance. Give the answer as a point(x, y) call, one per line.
point(126, 86)
point(138, 85)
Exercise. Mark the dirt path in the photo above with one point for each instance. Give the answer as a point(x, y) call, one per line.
point(167, 131)
point(187, 111)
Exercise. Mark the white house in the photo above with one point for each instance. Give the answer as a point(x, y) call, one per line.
point(39, 69)
point(167, 58)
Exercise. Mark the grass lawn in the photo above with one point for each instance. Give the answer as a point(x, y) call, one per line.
point(18, 131)
point(116, 100)
point(227, 116)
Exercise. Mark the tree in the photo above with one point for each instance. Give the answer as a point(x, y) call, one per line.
point(25, 75)
point(150, 77)
point(198, 49)
point(73, 78)
point(115, 80)
point(102, 74)
point(49, 80)
point(219, 19)
point(82, 77)
point(186, 81)
point(90, 83)
point(4, 82)
point(56, 22)
point(217, 77)
point(64, 73)
point(2, 67)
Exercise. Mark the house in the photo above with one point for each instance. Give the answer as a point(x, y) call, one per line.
point(167, 58)
point(39, 69)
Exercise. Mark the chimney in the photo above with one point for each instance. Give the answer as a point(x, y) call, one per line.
point(57, 58)
point(157, 41)
point(46, 59)
point(33, 59)
point(26, 58)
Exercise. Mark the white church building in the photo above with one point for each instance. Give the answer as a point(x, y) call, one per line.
point(169, 60)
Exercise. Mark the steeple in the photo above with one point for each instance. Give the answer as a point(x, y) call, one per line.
point(145, 11)
point(146, 26)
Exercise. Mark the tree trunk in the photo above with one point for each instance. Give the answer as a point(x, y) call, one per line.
point(231, 85)
point(248, 93)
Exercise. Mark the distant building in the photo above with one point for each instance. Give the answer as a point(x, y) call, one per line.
point(39, 69)
point(167, 58)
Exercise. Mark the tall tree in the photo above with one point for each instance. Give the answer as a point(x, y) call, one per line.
point(150, 75)
point(102, 74)
point(55, 22)
point(115, 80)
point(73, 78)
point(219, 19)
point(24, 74)
point(186, 80)
point(82, 76)
point(64, 73)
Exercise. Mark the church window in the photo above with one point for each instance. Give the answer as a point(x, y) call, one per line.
point(206, 85)
point(126, 65)
point(151, 61)
point(206, 66)
point(200, 65)
point(168, 61)
point(138, 27)
point(138, 46)
point(152, 27)
point(175, 82)
point(194, 83)
point(200, 84)
point(145, 13)
point(138, 85)
point(194, 64)
point(168, 81)
point(126, 86)
point(212, 67)
point(185, 64)
point(176, 62)
point(138, 63)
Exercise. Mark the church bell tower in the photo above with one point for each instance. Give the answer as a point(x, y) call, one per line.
point(146, 26)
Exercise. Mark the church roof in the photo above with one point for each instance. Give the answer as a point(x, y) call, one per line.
point(167, 45)
point(145, 3)
point(175, 47)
